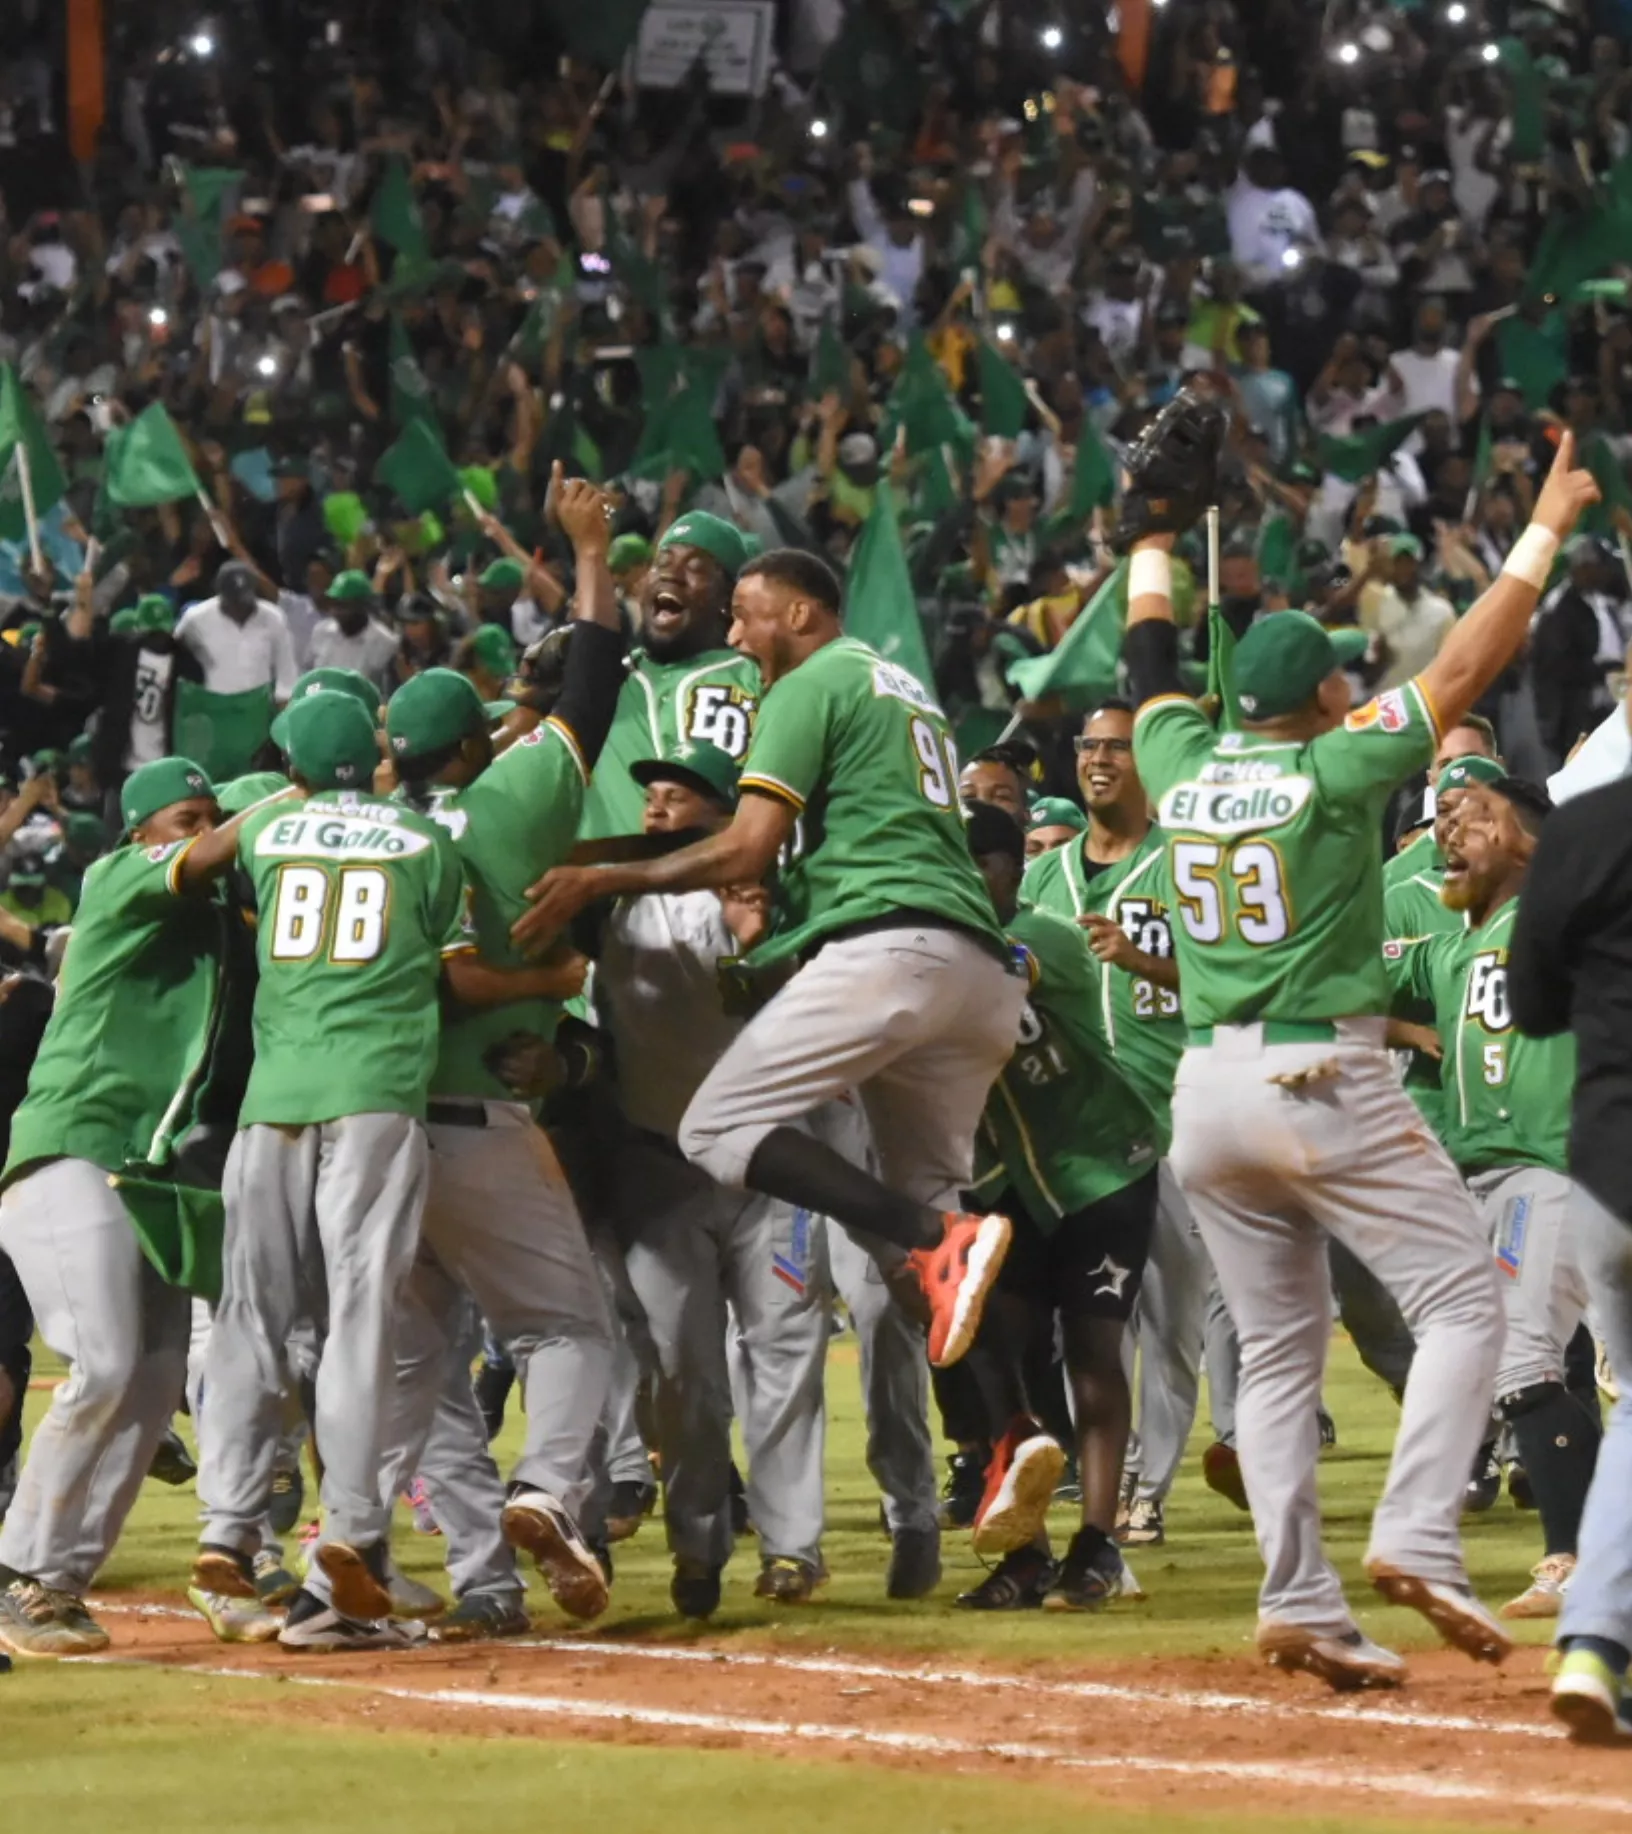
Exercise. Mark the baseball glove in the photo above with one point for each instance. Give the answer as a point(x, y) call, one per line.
point(542, 672)
point(1172, 469)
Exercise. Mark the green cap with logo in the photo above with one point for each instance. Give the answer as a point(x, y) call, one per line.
point(628, 552)
point(1285, 657)
point(716, 537)
point(503, 575)
point(155, 786)
point(1057, 812)
point(1465, 773)
point(328, 681)
point(494, 649)
point(699, 765)
point(350, 587)
point(80, 747)
point(84, 833)
point(431, 711)
point(329, 741)
point(123, 623)
point(153, 612)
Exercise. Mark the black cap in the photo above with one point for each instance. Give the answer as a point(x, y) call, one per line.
point(994, 830)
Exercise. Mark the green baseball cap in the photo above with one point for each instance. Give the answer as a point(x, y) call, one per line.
point(330, 742)
point(697, 764)
point(1285, 657)
point(1406, 544)
point(431, 711)
point(328, 681)
point(1057, 812)
point(503, 575)
point(123, 623)
point(154, 612)
point(1464, 773)
point(80, 747)
point(716, 537)
point(628, 551)
point(155, 786)
point(84, 832)
point(253, 787)
point(350, 586)
point(493, 647)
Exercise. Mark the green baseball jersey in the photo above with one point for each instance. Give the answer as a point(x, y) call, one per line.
point(1506, 1097)
point(713, 696)
point(1141, 1021)
point(358, 902)
point(1273, 856)
point(516, 821)
point(856, 746)
point(1412, 909)
point(1065, 1123)
point(138, 1010)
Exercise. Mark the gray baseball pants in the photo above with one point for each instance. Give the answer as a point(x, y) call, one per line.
point(98, 1303)
point(322, 1223)
point(1530, 1219)
point(1270, 1167)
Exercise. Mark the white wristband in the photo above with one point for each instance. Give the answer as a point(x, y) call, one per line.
point(1532, 556)
point(1150, 573)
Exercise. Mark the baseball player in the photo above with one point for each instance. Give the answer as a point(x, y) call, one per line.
point(1505, 1118)
point(1288, 1118)
point(684, 684)
point(361, 904)
point(125, 1054)
point(1112, 881)
point(903, 992)
point(500, 1222)
point(1077, 1146)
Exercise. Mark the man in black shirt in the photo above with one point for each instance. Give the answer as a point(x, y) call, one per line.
point(1570, 968)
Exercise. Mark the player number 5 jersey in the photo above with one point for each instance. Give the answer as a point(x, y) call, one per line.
point(1274, 856)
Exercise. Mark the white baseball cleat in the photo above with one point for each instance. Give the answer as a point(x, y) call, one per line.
point(234, 1620)
point(1347, 1663)
point(1544, 1596)
point(319, 1629)
point(1453, 1611)
point(543, 1526)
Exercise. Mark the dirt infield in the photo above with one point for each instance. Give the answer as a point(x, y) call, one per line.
point(1461, 1744)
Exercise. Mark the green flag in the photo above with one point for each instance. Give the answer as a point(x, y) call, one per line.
point(1093, 483)
point(1583, 244)
point(1535, 354)
point(601, 34)
point(881, 607)
point(1278, 549)
point(395, 216)
point(418, 470)
point(198, 222)
point(679, 387)
point(1527, 94)
point(830, 369)
point(922, 402)
point(1360, 454)
point(871, 70)
point(22, 429)
point(1599, 458)
point(1221, 669)
point(147, 463)
point(1084, 661)
point(221, 732)
point(410, 391)
point(1004, 403)
point(642, 277)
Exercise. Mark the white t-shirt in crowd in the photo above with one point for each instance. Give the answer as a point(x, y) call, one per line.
point(237, 657)
point(1429, 382)
point(149, 738)
point(1265, 224)
point(371, 652)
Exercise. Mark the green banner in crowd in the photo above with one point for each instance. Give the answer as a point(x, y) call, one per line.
point(22, 430)
point(1084, 662)
point(221, 732)
point(880, 606)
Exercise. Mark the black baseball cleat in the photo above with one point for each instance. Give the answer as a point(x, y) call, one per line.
point(1090, 1575)
point(695, 1589)
point(915, 1563)
point(1019, 1582)
point(627, 1507)
point(288, 1496)
point(492, 1384)
point(172, 1463)
point(1485, 1484)
point(965, 1486)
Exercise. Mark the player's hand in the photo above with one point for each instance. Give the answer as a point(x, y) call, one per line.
point(1108, 941)
point(1568, 490)
point(527, 1064)
point(746, 910)
point(1407, 1035)
point(585, 514)
point(556, 899)
point(567, 978)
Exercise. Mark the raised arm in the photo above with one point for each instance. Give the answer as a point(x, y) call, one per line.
point(1488, 638)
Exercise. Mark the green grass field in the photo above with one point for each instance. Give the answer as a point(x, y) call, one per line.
point(91, 1747)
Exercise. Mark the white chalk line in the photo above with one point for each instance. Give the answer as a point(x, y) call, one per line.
point(1368, 1711)
point(1413, 1784)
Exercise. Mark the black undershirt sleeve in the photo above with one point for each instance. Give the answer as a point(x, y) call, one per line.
point(589, 695)
point(1151, 651)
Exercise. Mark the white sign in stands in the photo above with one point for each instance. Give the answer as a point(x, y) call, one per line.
point(732, 36)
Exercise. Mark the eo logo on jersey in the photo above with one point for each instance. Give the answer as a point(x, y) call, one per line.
point(350, 837)
point(1234, 808)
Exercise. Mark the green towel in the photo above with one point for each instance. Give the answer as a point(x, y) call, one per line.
point(221, 732)
point(181, 1227)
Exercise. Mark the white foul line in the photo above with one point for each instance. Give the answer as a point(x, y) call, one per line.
point(1368, 1711)
point(1416, 1784)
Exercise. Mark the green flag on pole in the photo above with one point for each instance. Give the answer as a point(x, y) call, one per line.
point(410, 391)
point(395, 216)
point(146, 463)
point(1004, 403)
point(22, 429)
point(1599, 458)
point(1583, 244)
point(1360, 454)
point(1535, 354)
point(881, 607)
point(1084, 661)
point(830, 370)
point(222, 732)
point(922, 402)
point(1527, 94)
point(417, 469)
point(198, 223)
point(1093, 483)
point(1221, 669)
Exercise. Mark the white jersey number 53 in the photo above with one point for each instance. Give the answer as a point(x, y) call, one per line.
point(1262, 915)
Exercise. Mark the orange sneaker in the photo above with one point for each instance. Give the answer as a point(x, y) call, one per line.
point(956, 1275)
point(1025, 1467)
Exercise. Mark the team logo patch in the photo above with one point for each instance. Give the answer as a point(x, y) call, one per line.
point(1393, 951)
point(155, 854)
point(793, 1268)
point(535, 737)
point(1510, 1237)
point(1388, 711)
point(1113, 1274)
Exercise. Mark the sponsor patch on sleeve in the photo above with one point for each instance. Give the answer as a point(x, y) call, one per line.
point(1386, 711)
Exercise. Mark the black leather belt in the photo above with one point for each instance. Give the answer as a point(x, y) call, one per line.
point(456, 1114)
point(897, 920)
